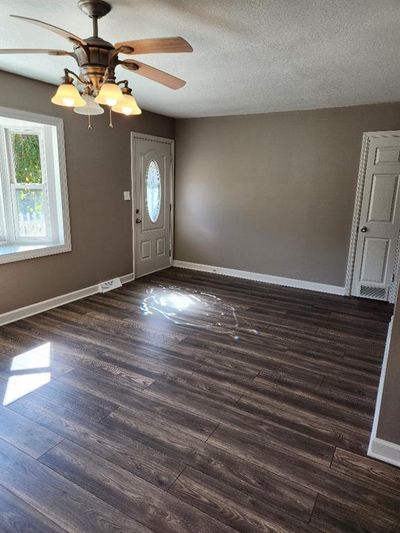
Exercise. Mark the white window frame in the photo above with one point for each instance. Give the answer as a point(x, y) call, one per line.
point(54, 186)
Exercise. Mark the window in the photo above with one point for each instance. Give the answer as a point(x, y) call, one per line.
point(153, 191)
point(33, 191)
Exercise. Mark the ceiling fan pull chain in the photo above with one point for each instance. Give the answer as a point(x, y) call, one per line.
point(89, 123)
point(111, 122)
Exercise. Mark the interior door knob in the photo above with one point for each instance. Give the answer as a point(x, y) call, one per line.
point(364, 229)
point(138, 220)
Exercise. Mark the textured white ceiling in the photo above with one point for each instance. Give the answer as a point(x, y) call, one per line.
point(250, 56)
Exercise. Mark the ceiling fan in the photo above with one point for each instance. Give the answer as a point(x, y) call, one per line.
point(97, 60)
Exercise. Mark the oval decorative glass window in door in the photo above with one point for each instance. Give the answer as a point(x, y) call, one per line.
point(153, 190)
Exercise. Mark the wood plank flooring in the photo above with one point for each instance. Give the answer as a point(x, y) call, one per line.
point(190, 402)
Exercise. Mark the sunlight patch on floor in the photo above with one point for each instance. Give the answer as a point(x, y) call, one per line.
point(28, 372)
point(196, 309)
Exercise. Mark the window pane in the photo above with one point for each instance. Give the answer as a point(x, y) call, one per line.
point(30, 213)
point(26, 152)
point(153, 191)
point(2, 229)
point(2, 219)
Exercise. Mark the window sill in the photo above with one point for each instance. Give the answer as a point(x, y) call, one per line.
point(21, 252)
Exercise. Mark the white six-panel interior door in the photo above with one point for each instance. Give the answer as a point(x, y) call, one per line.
point(375, 268)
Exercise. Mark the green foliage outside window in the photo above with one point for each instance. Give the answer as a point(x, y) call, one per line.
point(26, 149)
point(29, 201)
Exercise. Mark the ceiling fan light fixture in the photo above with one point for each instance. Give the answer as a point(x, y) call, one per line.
point(127, 104)
point(91, 107)
point(110, 94)
point(95, 82)
point(67, 95)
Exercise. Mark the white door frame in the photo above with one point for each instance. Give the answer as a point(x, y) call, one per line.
point(366, 140)
point(136, 135)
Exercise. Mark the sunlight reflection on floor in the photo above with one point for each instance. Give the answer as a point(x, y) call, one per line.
point(28, 372)
point(196, 309)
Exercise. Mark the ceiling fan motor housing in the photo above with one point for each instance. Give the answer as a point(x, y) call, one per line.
point(94, 58)
point(94, 8)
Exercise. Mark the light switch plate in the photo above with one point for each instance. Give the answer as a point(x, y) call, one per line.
point(127, 195)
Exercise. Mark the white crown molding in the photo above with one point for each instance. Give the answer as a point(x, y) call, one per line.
point(45, 305)
point(264, 278)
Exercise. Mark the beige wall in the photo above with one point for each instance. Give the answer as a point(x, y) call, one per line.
point(98, 169)
point(389, 415)
point(272, 193)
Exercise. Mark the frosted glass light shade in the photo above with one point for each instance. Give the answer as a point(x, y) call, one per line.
point(109, 94)
point(127, 105)
point(91, 108)
point(67, 95)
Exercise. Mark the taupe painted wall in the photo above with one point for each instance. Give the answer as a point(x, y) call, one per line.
point(389, 416)
point(272, 193)
point(98, 169)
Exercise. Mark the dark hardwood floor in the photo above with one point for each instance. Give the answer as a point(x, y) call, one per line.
point(190, 402)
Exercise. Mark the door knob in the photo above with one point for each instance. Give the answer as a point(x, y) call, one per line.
point(364, 229)
point(138, 220)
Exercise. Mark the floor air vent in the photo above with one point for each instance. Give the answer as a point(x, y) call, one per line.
point(377, 293)
point(110, 285)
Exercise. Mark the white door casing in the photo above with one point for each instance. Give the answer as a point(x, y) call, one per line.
point(152, 179)
point(373, 258)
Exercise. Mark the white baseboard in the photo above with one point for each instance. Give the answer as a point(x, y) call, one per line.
point(381, 382)
point(381, 449)
point(384, 451)
point(265, 278)
point(40, 307)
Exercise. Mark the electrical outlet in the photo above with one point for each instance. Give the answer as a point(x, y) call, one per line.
point(127, 195)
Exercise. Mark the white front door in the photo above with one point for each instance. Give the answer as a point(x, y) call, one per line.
point(152, 178)
point(379, 222)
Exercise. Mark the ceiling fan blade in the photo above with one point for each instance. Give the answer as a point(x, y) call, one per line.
point(153, 74)
point(55, 29)
point(35, 51)
point(169, 45)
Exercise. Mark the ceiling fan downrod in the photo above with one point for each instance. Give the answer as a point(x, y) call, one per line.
point(95, 9)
